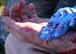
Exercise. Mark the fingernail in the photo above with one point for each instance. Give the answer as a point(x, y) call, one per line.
point(16, 7)
point(32, 4)
point(22, 3)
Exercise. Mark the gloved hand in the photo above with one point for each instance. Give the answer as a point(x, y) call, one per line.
point(59, 23)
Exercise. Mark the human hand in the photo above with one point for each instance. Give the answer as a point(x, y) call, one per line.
point(59, 23)
point(19, 20)
point(19, 29)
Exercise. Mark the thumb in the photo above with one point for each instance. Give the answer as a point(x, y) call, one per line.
point(22, 13)
point(10, 23)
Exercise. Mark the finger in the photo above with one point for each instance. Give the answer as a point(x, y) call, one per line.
point(32, 11)
point(73, 22)
point(22, 11)
point(63, 26)
point(59, 15)
point(15, 12)
point(22, 7)
point(5, 12)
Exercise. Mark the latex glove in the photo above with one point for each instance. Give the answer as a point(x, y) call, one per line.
point(59, 23)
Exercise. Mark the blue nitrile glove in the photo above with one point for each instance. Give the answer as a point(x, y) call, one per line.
point(59, 23)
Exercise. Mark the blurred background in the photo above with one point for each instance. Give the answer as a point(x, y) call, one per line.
point(1, 5)
point(1, 26)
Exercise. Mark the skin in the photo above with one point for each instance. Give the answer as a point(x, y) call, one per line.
point(27, 27)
